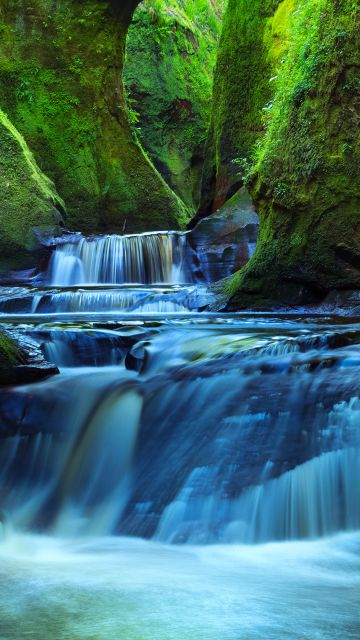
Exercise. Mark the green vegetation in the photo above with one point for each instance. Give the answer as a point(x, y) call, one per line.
point(304, 161)
point(284, 120)
point(171, 54)
point(29, 201)
point(251, 46)
point(9, 353)
point(60, 84)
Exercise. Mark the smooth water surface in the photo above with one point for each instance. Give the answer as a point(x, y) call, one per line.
point(135, 590)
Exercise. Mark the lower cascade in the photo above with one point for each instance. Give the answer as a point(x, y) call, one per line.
point(128, 439)
point(316, 499)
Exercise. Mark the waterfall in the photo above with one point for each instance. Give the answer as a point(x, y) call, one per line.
point(318, 498)
point(84, 479)
point(170, 424)
point(166, 426)
point(95, 479)
point(150, 258)
point(183, 439)
point(151, 273)
point(109, 300)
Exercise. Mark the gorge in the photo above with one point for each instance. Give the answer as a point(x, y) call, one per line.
point(179, 320)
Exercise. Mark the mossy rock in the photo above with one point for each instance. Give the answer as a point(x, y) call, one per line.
point(29, 203)
point(303, 171)
point(170, 57)
point(9, 353)
point(21, 361)
point(61, 85)
point(251, 46)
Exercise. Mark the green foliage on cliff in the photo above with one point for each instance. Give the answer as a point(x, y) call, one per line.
point(306, 160)
point(316, 89)
point(28, 198)
point(60, 83)
point(251, 47)
point(171, 54)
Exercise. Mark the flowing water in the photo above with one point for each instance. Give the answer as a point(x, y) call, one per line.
point(186, 474)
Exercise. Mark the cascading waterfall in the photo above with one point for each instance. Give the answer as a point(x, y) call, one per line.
point(318, 498)
point(139, 274)
point(185, 430)
point(147, 273)
point(182, 428)
point(152, 455)
point(144, 301)
point(153, 258)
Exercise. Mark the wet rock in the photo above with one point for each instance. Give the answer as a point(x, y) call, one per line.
point(137, 357)
point(225, 240)
point(26, 362)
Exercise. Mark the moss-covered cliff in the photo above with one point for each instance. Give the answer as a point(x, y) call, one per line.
point(303, 171)
point(250, 48)
point(171, 54)
point(61, 85)
point(29, 202)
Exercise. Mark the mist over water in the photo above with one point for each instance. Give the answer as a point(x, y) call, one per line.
point(186, 474)
point(131, 589)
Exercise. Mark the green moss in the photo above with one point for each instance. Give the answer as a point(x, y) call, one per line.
point(303, 170)
point(9, 353)
point(277, 34)
point(28, 198)
point(171, 54)
point(253, 38)
point(60, 83)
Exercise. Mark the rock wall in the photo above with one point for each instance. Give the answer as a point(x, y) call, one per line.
point(29, 203)
point(171, 54)
point(303, 171)
point(253, 38)
point(226, 240)
point(61, 85)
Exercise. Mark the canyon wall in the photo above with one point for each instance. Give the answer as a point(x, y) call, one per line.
point(171, 55)
point(61, 86)
point(286, 122)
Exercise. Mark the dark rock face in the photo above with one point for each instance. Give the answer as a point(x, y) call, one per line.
point(226, 240)
point(61, 87)
point(24, 362)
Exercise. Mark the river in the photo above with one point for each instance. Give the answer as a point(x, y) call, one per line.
point(187, 473)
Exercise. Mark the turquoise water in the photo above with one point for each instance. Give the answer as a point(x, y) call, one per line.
point(128, 589)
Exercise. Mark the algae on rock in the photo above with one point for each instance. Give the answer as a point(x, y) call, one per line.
point(303, 171)
point(29, 202)
point(61, 85)
point(9, 355)
point(21, 360)
point(171, 54)
point(252, 42)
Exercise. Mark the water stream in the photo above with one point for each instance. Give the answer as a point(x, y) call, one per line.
point(187, 473)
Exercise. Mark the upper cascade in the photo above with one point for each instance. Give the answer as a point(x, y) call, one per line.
point(152, 258)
